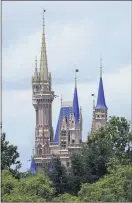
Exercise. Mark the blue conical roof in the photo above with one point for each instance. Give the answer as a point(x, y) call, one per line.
point(76, 105)
point(33, 166)
point(64, 112)
point(101, 98)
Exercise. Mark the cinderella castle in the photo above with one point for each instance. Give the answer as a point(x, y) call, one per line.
point(68, 134)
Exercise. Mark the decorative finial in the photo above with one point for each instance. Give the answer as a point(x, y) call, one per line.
point(61, 100)
point(100, 66)
point(36, 63)
point(43, 20)
point(33, 152)
point(93, 95)
point(76, 71)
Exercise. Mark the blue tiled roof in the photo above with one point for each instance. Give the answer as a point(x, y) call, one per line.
point(75, 105)
point(64, 112)
point(33, 166)
point(101, 98)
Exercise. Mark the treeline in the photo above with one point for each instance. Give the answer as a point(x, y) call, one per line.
point(101, 171)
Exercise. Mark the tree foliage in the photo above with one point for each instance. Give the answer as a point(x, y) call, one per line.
point(101, 171)
point(114, 140)
point(9, 157)
point(66, 198)
point(113, 187)
point(58, 176)
point(32, 188)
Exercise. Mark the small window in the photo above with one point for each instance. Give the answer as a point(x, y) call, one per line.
point(63, 146)
point(73, 141)
point(68, 164)
point(102, 116)
point(98, 116)
point(40, 152)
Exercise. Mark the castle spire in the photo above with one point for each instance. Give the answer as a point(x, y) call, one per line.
point(75, 100)
point(43, 59)
point(36, 70)
point(101, 98)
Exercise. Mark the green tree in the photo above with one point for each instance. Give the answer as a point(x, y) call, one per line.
point(9, 156)
point(58, 176)
point(31, 189)
point(113, 187)
point(116, 137)
point(90, 163)
point(66, 198)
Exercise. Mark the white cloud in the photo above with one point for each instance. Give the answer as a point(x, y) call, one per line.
point(64, 45)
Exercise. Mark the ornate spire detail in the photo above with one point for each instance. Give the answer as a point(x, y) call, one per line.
point(101, 98)
point(36, 70)
point(33, 152)
point(43, 59)
point(61, 100)
point(93, 95)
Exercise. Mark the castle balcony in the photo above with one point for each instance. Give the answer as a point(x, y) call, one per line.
point(43, 157)
point(64, 156)
point(77, 146)
point(54, 144)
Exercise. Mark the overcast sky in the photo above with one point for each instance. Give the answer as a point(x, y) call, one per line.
point(76, 34)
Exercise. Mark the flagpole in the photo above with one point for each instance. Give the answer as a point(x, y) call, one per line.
point(61, 100)
point(75, 77)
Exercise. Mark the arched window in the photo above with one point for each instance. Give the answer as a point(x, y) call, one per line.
point(40, 152)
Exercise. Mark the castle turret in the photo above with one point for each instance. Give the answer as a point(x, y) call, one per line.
point(76, 132)
point(42, 101)
point(75, 101)
point(100, 110)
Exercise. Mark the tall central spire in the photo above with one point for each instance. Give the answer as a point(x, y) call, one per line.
point(43, 59)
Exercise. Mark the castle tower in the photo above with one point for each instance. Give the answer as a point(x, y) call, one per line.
point(100, 110)
point(76, 130)
point(42, 98)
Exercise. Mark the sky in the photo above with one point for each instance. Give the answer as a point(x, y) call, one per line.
point(77, 33)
